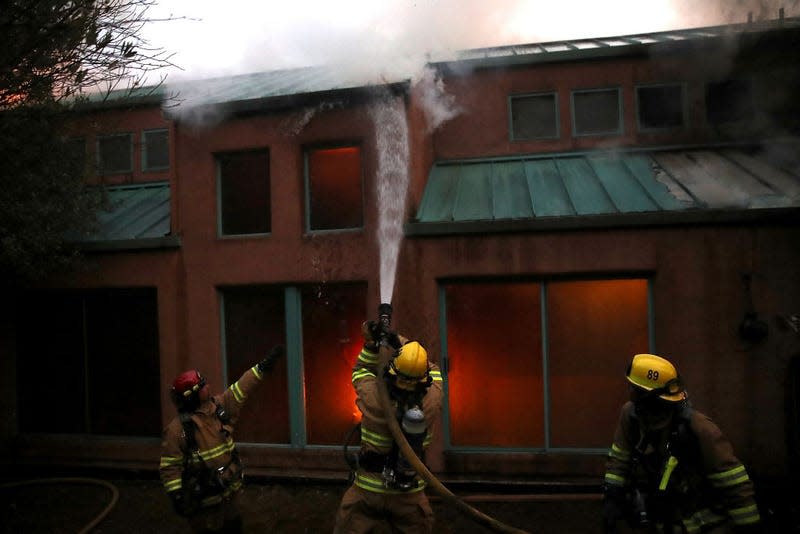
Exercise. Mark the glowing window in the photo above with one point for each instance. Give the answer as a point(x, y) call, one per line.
point(332, 316)
point(244, 193)
point(334, 196)
point(509, 389)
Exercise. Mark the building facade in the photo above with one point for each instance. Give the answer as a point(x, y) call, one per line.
point(580, 202)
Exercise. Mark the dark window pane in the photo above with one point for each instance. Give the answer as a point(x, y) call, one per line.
point(534, 117)
point(335, 194)
point(494, 342)
point(124, 373)
point(254, 322)
point(244, 186)
point(729, 101)
point(115, 154)
point(50, 363)
point(660, 107)
point(596, 112)
point(156, 150)
point(594, 328)
point(332, 316)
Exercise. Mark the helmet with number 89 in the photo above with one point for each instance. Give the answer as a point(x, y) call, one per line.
point(656, 376)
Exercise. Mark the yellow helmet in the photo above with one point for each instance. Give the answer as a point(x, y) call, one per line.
point(653, 373)
point(411, 363)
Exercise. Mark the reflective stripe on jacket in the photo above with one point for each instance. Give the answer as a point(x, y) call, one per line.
point(709, 482)
point(214, 439)
point(375, 434)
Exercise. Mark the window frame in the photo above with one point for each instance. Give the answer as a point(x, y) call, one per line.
point(307, 150)
point(101, 171)
point(557, 116)
point(620, 112)
point(218, 156)
point(543, 296)
point(657, 129)
point(295, 360)
point(145, 166)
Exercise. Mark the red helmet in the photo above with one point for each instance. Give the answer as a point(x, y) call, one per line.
point(188, 384)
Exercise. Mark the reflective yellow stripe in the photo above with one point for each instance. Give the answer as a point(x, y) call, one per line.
point(238, 394)
point(358, 374)
point(428, 439)
point(701, 519)
point(745, 515)
point(173, 485)
point(731, 477)
point(436, 376)
point(668, 469)
point(619, 454)
point(375, 485)
point(616, 480)
point(168, 461)
point(219, 450)
point(256, 372)
point(368, 357)
point(373, 438)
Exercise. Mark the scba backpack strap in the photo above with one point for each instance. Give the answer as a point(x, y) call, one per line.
point(196, 476)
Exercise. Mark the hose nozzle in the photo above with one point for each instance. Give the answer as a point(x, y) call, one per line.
point(385, 315)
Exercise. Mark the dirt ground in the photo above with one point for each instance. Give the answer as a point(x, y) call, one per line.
point(291, 507)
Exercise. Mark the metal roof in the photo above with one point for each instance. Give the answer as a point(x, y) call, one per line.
point(577, 49)
point(606, 188)
point(257, 89)
point(137, 216)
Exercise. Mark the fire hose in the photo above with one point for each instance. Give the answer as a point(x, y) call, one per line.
point(85, 481)
point(447, 495)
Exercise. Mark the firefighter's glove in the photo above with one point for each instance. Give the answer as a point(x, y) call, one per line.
point(613, 507)
point(371, 331)
point(266, 365)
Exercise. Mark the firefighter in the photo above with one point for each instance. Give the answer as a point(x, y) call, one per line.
point(200, 466)
point(670, 468)
point(386, 489)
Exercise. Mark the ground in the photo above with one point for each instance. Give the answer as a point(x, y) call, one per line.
point(283, 507)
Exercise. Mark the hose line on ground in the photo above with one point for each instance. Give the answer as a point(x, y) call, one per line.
point(108, 485)
point(421, 469)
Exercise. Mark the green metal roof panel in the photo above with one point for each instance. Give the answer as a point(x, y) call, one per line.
point(616, 184)
point(546, 189)
point(137, 212)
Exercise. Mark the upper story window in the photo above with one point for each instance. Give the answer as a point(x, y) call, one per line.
point(597, 112)
point(115, 154)
point(729, 101)
point(243, 193)
point(334, 189)
point(155, 150)
point(534, 116)
point(660, 107)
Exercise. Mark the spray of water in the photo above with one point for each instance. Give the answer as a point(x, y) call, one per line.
point(391, 129)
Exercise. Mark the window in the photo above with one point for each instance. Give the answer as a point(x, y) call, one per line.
point(312, 401)
point(554, 352)
point(244, 193)
point(334, 195)
point(115, 154)
point(660, 107)
point(534, 116)
point(597, 112)
point(155, 150)
point(96, 371)
point(729, 101)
